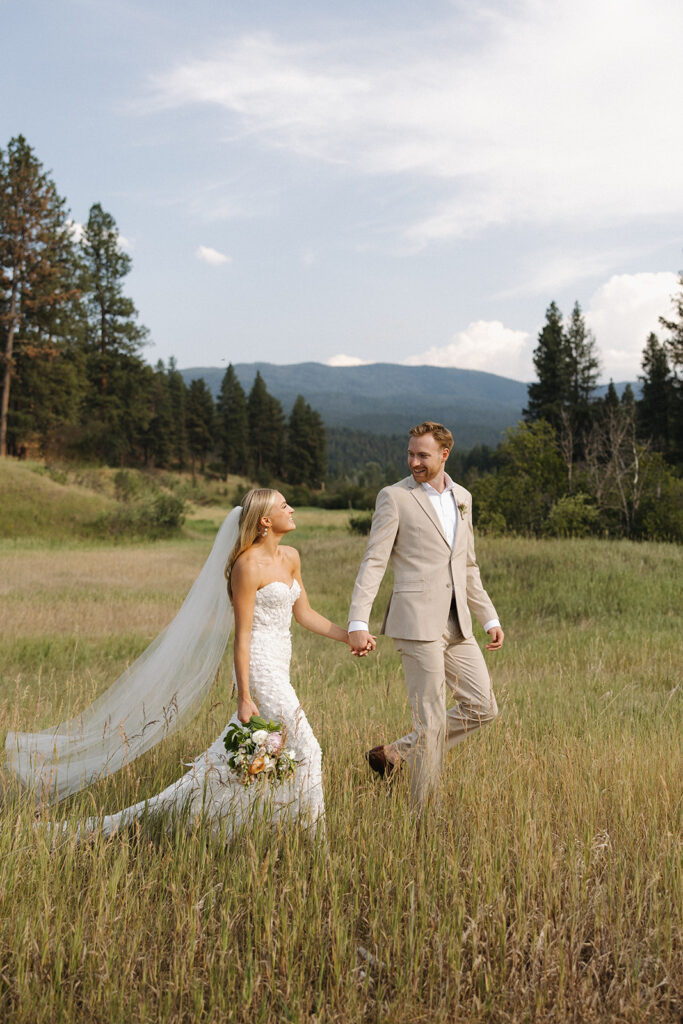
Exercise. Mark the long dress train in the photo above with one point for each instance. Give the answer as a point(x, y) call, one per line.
point(210, 787)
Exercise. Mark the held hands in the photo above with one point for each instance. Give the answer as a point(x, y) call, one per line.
point(361, 642)
point(245, 709)
point(497, 636)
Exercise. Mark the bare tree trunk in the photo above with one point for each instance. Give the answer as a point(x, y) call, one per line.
point(9, 364)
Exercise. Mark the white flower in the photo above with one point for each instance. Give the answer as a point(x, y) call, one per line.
point(260, 736)
point(291, 754)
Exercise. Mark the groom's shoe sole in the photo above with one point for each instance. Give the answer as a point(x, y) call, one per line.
point(377, 760)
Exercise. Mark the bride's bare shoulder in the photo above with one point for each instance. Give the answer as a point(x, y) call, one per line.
point(291, 555)
point(246, 568)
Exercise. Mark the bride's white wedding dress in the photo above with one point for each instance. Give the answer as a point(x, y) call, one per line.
point(210, 788)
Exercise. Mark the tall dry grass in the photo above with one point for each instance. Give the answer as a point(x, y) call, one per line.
point(545, 886)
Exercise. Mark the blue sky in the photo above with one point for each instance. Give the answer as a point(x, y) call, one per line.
point(400, 181)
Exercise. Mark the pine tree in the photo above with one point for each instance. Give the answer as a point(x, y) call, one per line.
point(116, 411)
point(200, 422)
point(674, 348)
point(112, 317)
point(160, 430)
point(267, 427)
point(550, 394)
point(278, 437)
point(305, 461)
point(36, 266)
point(178, 400)
point(656, 401)
point(583, 362)
point(233, 424)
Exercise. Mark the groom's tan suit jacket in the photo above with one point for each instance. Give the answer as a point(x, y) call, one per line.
point(428, 573)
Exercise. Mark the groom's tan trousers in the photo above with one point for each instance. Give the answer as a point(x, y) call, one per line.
point(452, 666)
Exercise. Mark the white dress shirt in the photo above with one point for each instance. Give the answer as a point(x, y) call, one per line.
point(446, 508)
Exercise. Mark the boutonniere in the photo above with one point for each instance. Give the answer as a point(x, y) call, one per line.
point(462, 508)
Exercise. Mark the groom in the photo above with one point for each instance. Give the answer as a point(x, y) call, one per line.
point(423, 526)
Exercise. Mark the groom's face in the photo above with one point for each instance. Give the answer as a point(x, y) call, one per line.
point(426, 458)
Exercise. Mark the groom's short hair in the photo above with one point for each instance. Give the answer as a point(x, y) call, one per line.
point(441, 434)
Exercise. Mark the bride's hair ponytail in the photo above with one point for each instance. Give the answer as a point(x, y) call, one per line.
point(255, 504)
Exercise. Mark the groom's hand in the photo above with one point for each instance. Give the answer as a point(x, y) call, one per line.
point(361, 642)
point(497, 636)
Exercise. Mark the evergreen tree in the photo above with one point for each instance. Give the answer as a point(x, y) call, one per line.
point(583, 363)
point(549, 395)
point(200, 422)
point(116, 410)
point(278, 425)
point(267, 426)
point(305, 461)
point(674, 348)
point(36, 271)
point(178, 400)
point(233, 424)
point(655, 405)
point(112, 317)
point(628, 399)
point(160, 431)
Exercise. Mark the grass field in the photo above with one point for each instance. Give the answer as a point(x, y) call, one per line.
point(545, 887)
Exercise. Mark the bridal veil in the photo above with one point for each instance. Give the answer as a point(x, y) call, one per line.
point(147, 703)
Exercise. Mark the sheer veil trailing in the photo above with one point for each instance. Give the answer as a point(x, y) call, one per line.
point(144, 705)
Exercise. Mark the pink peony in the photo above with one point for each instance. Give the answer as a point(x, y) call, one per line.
point(273, 744)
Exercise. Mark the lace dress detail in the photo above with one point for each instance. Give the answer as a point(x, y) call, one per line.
point(209, 787)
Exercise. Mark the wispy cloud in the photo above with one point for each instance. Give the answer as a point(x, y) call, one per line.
point(212, 256)
point(524, 113)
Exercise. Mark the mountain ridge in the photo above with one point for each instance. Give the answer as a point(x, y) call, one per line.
point(388, 398)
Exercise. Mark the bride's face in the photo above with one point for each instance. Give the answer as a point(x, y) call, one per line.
point(281, 516)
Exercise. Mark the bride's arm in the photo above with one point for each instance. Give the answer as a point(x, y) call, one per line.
point(307, 616)
point(244, 579)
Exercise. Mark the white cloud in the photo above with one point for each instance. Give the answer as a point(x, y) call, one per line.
point(622, 312)
point(523, 113)
point(344, 360)
point(212, 256)
point(485, 345)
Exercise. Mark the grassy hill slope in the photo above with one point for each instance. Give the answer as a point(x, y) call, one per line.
point(34, 504)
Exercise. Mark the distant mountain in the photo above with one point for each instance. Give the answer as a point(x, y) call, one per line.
point(385, 398)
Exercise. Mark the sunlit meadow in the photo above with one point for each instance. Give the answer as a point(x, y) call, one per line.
point(545, 886)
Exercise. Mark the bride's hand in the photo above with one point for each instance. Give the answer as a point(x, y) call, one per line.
point(245, 709)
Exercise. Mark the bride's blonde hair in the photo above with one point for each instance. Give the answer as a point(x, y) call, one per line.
point(255, 504)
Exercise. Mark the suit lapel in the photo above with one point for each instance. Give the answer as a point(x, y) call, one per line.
point(461, 532)
point(422, 499)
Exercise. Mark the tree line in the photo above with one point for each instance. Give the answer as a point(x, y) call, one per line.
point(580, 463)
point(74, 383)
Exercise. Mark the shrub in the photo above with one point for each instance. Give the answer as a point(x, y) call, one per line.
point(360, 524)
point(491, 523)
point(572, 516)
point(160, 516)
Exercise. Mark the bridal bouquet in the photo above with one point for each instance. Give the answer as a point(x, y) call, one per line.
point(257, 750)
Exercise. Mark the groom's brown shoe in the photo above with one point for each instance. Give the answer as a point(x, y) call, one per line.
point(380, 763)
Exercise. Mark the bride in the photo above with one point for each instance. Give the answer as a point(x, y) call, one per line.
point(153, 696)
